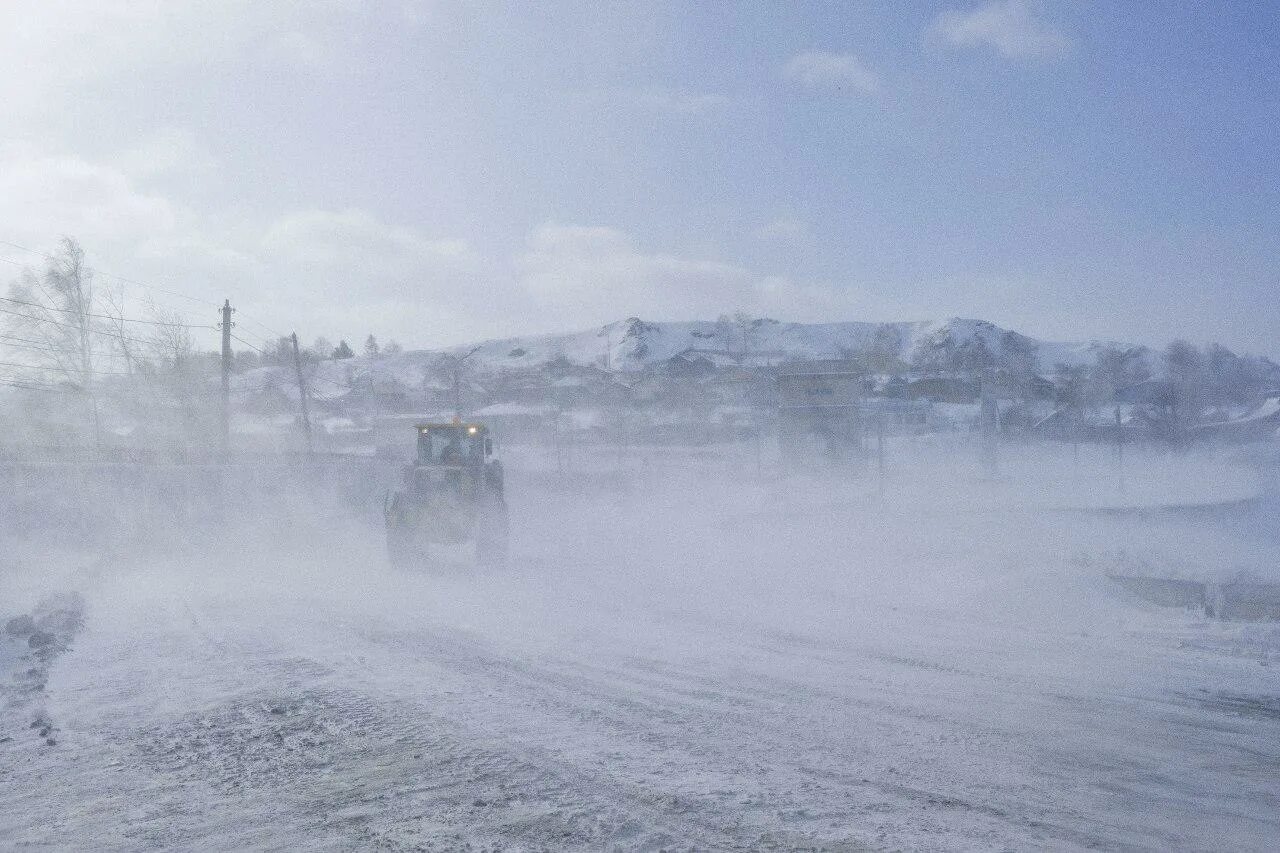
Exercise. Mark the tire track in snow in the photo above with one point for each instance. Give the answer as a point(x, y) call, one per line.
point(772, 752)
point(578, 805)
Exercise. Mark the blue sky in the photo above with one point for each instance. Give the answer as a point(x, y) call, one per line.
point(436, 172)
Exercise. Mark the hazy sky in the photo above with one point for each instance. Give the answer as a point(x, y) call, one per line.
point(439, 171)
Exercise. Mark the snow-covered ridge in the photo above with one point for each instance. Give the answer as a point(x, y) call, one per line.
point(634, 345)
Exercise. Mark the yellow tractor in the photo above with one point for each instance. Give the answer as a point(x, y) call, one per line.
point(452, 495)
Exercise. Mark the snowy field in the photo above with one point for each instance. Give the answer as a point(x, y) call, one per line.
point(686, 666)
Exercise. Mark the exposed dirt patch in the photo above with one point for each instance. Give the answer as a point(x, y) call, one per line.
point(33, 641)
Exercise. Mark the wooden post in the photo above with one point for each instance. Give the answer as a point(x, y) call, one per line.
point(880, 449)
point(302, 391)
point(225, 325)
point(1119, 450)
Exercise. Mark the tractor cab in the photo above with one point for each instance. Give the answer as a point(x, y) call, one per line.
point(457, 444)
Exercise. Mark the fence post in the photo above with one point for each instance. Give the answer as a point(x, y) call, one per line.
point(225, 325)
point(302, 392)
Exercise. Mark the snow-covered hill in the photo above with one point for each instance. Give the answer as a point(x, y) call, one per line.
point(635, 344)
point(632, 345)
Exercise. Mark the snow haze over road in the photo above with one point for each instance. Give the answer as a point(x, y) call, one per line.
point(689, 663)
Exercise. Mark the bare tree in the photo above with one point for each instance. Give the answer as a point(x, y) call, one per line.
point(884, 351)
point(1115, 369)
point(171, 342)
point(456, 368)
point(1019, 363)
point(129, 350)
point(178, 367)
point(58, 309)
point(739, 331)
point(1183, 367)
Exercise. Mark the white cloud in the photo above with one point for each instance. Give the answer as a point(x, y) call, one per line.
point(344, 273)
point(43, 196)
point(49, 49)
point(348, 272)
point(318, 270)
point(332, 269)
point(582, 275)
point(818, 69)
point(352, 245)
point(1010, 27)
point(167, 151)
point(595, 273)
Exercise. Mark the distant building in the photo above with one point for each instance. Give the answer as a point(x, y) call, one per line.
point(514, 423)
point(1259, 424)
point(944, 388)
point(819, 419)
point(896, 415)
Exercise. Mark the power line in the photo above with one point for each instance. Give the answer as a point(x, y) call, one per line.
point(249, 345)
point(121, 278)
point(35, 348)
point(260, 326)
point(61, 370)
point(36, 385)
point(75, 328)
point(134, 282)
point(23, 340)
point(37, 283)
point(105, 333)
point(120, 319)
point(28, 344)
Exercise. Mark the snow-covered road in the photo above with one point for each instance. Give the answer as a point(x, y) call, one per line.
point(691, 669)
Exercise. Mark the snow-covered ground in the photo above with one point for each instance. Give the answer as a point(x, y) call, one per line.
point(692, 666)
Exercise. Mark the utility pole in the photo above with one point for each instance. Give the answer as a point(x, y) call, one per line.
point(457, 363)
point(1077, 421)
point(457, 393)
point(1120, 449)
point(225, 325)
point(757, 427)
point(880, 451)
point(555, 437)
point(302, 392)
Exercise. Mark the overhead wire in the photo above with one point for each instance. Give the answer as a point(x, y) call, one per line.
point(39, 286)
point(105, 274)
point(38, 346)
point(62, 370)
point(249, 345)
point(120, 319)
point(12, 342)
point(30, 387)
point(261, 325)
point(135, 283)
point(90, 331)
